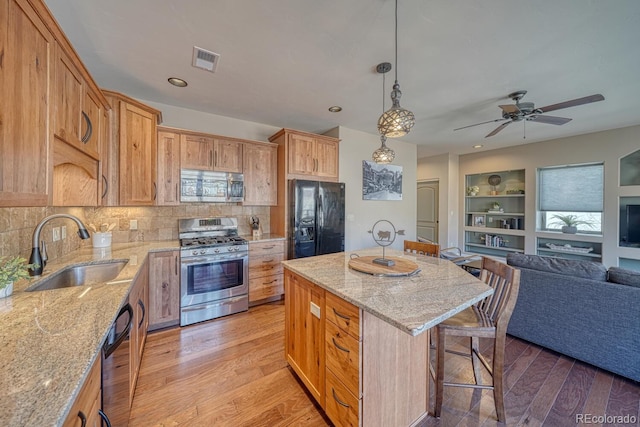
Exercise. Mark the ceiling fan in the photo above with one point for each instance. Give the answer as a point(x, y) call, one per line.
point(527, 111)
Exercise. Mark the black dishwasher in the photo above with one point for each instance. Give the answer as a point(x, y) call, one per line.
point(115, 371)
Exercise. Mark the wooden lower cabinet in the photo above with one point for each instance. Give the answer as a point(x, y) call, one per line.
point(362, 370)
point(139, 300)
point(164, 289)
point(84, 411)
point(265, 270)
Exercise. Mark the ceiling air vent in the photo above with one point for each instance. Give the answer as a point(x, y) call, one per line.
point(205, 59)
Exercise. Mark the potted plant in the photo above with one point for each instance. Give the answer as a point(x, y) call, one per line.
point(12, 269)
point(473, 190)
point(570, 223)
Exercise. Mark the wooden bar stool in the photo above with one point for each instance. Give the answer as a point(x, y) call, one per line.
point(420, 248)
point(488, 318)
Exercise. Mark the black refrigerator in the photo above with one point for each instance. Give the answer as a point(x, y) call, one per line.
point(316, 218)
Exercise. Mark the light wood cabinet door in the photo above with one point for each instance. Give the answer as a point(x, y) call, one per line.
point(304, 332)
point(168, 168)
point(260, 174)
point(90, 125)
point(164, 289)
point(26, 70)
point(196, 152)
point(227, 156)
point(326, 153)
point(68, 100)
point(301, 158)
point(137, 156)
point(84, 412)
point(139, 301)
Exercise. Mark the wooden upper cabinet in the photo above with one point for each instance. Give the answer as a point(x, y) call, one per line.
point(196, 152)
point(168, 168)
point(26, 68)
point(309, 156)
point(206, 152)
point(260, 174)
point(133, 144)
point(78, 108)
point(227, 156)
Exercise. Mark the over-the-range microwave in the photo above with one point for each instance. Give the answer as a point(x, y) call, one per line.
point(210, 186)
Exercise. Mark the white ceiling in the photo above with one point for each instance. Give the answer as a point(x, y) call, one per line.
point(284, 62)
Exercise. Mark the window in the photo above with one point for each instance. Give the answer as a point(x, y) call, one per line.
point(576, 190)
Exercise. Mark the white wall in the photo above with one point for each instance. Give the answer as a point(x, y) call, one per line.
point(607, 146)
point(356, 146)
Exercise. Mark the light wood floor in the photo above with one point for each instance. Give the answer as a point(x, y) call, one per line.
point(231, 372)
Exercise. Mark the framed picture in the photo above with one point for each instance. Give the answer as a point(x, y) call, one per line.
point(381, 182)
point(478, 220)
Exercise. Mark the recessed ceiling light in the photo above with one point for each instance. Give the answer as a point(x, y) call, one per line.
point(335, 109)
point(177, 82)
point(478, 146)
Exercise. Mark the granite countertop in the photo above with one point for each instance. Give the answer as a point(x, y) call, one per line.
point(50, 339)
point(412, 304)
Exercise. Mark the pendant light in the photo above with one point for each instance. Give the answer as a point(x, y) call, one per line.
point(383, 155)
point(397, 121)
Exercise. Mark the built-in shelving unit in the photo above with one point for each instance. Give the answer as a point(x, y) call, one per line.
point(494, 213)
point(569, 248)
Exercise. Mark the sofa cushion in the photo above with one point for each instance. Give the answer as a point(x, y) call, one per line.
point(623, 276)
point(577, 268)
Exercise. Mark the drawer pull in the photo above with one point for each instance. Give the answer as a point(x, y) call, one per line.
point(339, 347)
point(268, 261)
point(342, 316)
point(268, 283)
point(346, 405)
point(83, 419)
point(269, 247)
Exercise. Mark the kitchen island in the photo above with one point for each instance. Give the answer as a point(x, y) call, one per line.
point(360, 343)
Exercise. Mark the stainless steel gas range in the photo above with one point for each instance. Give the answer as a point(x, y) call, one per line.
point(214, 273)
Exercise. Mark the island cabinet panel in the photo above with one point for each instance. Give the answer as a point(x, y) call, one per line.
point(344, 315)
point(26, 80)
point(265, 271)
point(395, 373)
point(342, 407)
point(164, 289)
point(343, 358)
point(304, 333)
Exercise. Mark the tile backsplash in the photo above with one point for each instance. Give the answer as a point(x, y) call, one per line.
point(154, 223)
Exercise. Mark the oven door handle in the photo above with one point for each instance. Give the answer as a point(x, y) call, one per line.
point(194, 261)
point(226, 301)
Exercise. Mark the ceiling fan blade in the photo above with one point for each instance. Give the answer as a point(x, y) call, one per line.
point(573, 103)
point(498, 129)
point(510, 108)
point(552, 120)
point(483, 123)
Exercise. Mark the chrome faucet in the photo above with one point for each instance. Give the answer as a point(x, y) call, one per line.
point(37, 257)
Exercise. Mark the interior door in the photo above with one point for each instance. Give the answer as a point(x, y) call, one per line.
point(427, 226)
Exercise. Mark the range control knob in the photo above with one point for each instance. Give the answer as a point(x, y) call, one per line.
point(194, 253)
point(216, 251)
point(202, 251)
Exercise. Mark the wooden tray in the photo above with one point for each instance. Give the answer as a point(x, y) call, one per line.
point(403, 267)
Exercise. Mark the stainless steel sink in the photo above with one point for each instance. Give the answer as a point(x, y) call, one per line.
point(80, 275)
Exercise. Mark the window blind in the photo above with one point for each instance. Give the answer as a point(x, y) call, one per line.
point(572, 188)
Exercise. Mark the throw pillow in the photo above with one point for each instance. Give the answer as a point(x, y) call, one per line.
point(623, 276)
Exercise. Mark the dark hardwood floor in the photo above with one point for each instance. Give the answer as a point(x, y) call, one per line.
point(231, 372)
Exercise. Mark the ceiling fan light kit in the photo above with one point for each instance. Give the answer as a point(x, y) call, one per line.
point(396, 121)
point(528, 112)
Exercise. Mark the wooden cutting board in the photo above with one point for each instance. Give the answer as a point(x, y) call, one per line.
point(402, 267)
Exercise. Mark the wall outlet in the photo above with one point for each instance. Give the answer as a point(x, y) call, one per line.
point(63, 232)
point(133, 224)
point(315, 310)
point(56, 234)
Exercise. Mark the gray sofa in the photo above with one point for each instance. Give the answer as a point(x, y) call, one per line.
point(580, 309)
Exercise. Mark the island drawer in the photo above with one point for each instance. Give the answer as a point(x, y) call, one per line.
point(342, 353)
point(263, 265)
point(343, 314)
point(269, 247)
point(341, 406)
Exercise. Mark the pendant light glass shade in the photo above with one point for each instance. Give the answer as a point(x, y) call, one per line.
point(396, 121)
point(383, 155)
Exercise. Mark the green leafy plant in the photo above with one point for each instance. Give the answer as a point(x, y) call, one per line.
point(570, 220)
point(12, 269)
